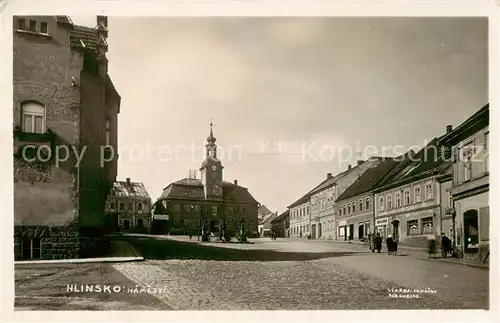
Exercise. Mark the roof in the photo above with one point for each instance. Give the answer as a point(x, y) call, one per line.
point(281, 217)
point(369, 179)
point(132, 190)
point(268, 218)
point(427, 162)
point(264, 210)
point(474, 123)
point(192, 189)
point(212, 159)
point(84, 38)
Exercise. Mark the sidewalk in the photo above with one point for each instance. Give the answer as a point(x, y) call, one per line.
point(120, 251)
point(421, 253)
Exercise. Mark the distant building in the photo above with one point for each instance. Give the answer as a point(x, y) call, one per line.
point(281, 224)
point(324, 222)
point(408, 201)
point(128, 208)
point(469, 146)
point(264, 226)
point(185, 204)
point(63, 97)
point(355, 205)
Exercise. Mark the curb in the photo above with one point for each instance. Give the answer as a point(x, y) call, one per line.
point(80, 260)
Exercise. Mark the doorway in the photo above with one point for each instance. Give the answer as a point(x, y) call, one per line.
point(471, 232)
point(361, 231)
point(319, 230)
point(313, 231)
point(395, 230)
point(351, 231)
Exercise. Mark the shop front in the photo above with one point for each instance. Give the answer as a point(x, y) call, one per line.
point(381, 226)
point(342, 230)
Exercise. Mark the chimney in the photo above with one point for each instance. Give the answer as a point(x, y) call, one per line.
point(360, 162)
point(128, 180)
point(328, 175)
point(449, 128)
point(102, 45)
point(235, 182)
point(349, 167)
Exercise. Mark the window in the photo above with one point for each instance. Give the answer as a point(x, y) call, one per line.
point(417, 194)
point(107, 132)
point(140, 223)
point(413, 227)
point(214, 209)
point(427, 225)
point(21, 24)
point(381, 204)
point(340, 210)
point(407, 197)
point(349, 209)
point(112, 205)
point(486, 152)
point(43, 28)
point(139, 206)
point(450, 200)
point(33, 118)
point(32, 248)
point(122, 206)
point(131, 206)
point(428, 191)
point(177, 207)
point(360, 205)
point(33, 26)
point(367, 203)
point(353, 207)
point(345, 210)
point(307, 210)
point(398, 199)
point(186, 208)
point(467, 154)
point(389, 202)
point(126, 224)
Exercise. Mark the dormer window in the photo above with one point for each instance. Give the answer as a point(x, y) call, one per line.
point(21, 24)
point(33, 118)
point(44, 28)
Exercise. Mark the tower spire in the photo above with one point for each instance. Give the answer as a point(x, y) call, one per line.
point(211, 139)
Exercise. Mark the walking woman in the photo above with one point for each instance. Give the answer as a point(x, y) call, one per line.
point(378, 242)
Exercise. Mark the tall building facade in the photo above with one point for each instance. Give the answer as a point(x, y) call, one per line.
point(65, 135)
point(186, 204)
point(469, 146)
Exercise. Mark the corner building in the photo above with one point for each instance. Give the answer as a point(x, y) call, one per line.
point(63, 98)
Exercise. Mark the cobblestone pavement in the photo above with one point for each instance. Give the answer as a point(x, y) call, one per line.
point(45, 287)
point(360, 280)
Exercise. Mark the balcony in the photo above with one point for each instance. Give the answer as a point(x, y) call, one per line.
point(33, 140)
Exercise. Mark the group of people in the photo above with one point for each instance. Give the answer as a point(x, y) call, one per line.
point(375, 242)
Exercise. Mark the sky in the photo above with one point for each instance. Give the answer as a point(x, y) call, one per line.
point(290, 99)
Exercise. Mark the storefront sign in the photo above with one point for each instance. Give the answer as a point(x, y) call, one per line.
point(342, 223)
point(383, 221)
point(160, 217)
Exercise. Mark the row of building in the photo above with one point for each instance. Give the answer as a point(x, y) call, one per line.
point(443, 188)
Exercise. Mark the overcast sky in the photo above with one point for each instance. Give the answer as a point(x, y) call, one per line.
point(284, 93)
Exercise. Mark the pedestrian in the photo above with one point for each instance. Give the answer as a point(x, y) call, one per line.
point(390, 245)
point(190, 235)
point(445, 245)
point(431, 245)
point(373, 242)
point(378, 242)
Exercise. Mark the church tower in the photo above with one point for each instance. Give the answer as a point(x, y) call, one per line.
point(211, 169)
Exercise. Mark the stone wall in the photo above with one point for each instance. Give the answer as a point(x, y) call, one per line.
point(56, 242)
